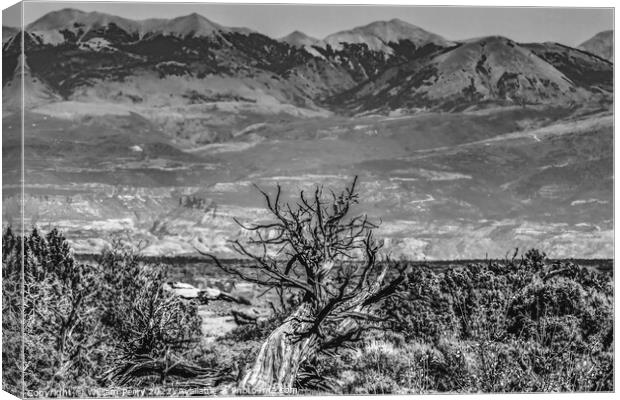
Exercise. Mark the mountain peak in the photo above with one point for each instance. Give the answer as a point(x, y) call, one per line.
point(601, 44)
point(70, 18)
point(69, 10)
point(297, 34)
point(299, 39)
point(193, 24)
point(193, 17)
point(488, 39)
point(56, 19)
point(376, 35)
point(395, 22)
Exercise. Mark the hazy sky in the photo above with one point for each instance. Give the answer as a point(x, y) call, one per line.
point(570, 26)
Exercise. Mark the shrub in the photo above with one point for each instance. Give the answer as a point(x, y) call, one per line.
point(12, 306)
point(521, 325)
point(80, 319)
point(59, 310)
point(427, 312)
point(517, 326)
point(563, 313)
point(141, 317)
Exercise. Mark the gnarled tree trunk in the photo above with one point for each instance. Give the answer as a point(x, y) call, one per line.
point(297, 339)
point(281, 355)
point(299, 251)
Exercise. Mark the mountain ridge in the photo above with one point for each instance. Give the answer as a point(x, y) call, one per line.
point(489, 69)
point(59, 19)
point(381, 66)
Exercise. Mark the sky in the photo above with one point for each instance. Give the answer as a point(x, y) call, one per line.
point(569, 26)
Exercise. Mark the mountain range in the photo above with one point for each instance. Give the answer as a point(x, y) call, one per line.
point(383, 66)
point(156, 129)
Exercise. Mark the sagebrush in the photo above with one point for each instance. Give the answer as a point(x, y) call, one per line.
point(520, 325)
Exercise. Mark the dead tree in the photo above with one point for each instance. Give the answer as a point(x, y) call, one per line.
point(329, 260)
